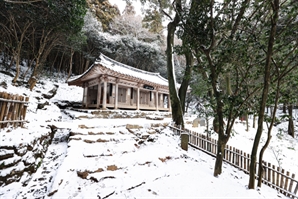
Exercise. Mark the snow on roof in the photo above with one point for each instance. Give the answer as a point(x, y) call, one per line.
point(118, 67)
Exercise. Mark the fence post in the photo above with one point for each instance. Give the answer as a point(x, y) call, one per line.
point(184, 141)
point(277, 179)
point(273, 176)
point(12, 109)
point(287, 179)
point(291, 183)
point(234, 156)
point(269, 174)
point(265, 173)
point(281, 185)
point(296, 189)
point(241, 159)
point(3, 107)
point(230, 155)
point(244, 161)
point(248, 162)
point(208, 144)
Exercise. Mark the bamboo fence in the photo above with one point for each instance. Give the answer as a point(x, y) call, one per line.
point(273, 176)
point(12, 109)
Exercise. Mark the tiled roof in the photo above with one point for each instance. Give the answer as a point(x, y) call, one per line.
point(126, 70)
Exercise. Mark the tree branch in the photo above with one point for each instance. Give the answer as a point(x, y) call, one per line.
point(26, 2)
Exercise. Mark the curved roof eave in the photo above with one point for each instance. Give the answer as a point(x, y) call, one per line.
point(129, 71)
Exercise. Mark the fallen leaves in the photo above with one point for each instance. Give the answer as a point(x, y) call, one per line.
point(98, 170)
point(89, 141)
point(112, 168)
point(83, 174)
point(165, 159)
point(91, 133)
point(148, 162)
point(101, 140)
point(82, 126)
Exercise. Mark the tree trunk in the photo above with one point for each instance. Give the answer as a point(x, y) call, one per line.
point(207, 126)
point(266, 85)
point(17, 59)
point(5, 58)
point(254, 121)
point(291, 123)
point(47, 42)
point(186, 78)
point(28, 67)
point(70, 64)
point(33, 78)
point(187, 105)
point(246, 121)
point(219, 122)
point(177, 113)
point(59, 68)
point(261, 169)
point(284, 108)
point(216, 125)
point(17, 32)
point(221, 144)
point(53, 63)
point(11, 62)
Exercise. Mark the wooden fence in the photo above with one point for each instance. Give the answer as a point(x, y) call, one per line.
point(273, 176)
point(12, 109)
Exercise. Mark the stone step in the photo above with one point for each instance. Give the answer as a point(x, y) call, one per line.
point(75, 113)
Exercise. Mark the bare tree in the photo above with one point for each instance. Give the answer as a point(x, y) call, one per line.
point(46, 39)
point(16, 32)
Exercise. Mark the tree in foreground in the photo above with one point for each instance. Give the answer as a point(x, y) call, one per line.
point(280, 61)
point(214, 32)
point(173, 12)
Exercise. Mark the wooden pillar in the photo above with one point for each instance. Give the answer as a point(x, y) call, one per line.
point(116, 94)
point(138, 97)
point(156, 100)
point(104, 100)
point(169, 103)
point(160, 101)
point(127, 96)
point(85, 95)
point(98, 93)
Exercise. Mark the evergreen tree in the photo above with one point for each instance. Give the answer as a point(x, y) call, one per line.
point(129, 9)
point(153, 21)
point(51, 24)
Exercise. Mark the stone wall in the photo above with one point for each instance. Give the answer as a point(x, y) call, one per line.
point(22, 160)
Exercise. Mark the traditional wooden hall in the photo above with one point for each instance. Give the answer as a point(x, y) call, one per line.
point(109, 84)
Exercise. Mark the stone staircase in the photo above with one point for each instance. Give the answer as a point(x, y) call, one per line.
point(35, 161)
point(114, 114)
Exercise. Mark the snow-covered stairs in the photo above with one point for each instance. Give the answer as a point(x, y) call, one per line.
point(42, 180)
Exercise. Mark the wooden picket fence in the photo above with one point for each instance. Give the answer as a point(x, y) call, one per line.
point(12, 109)
point(273, 176)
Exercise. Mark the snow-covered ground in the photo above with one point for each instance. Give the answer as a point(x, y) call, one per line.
point(281, 152)
point(103, 159)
